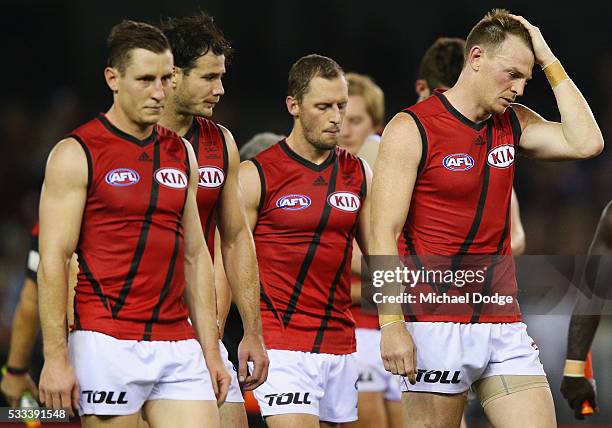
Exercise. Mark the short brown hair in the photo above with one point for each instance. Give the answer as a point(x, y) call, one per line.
point(442, 63)
point(492, 30)
point(307, 68)
point(129, 35)
point(364, 86)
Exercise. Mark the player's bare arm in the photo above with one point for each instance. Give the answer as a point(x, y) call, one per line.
point(23, 337)
point(62, 202)
point(577, 136)
point(575, 387)
point(517, 233)
point(222, 287)
point(251, 191)
point(395, 173)
point(199, 286)
point(363, 227)
point(362, 236)
point(240, 265)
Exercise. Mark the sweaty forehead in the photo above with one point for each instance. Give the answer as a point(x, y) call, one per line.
point(321, 90)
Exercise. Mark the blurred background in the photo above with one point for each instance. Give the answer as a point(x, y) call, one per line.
point(52, 75)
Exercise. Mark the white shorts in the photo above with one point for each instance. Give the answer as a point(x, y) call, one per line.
point(323, 385)
point(116, 376)
point(234, 394)
point(372, 374)
point(452, 356)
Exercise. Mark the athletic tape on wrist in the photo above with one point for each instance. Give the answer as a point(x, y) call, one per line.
point(387, 319)
point(574, 368)
point(555, 73)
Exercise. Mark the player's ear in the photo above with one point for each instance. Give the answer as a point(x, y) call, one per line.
point(111, 75)
point(293, 106)
point(475, 57)
point(422, 88)
point(177, 76)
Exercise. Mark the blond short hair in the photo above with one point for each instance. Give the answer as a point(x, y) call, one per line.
point(362, 85)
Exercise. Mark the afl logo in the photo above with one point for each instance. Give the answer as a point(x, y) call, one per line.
point(458, 162)
point(293, 202)
point(344, 201)
point(122, 177)
point(171, 177)
point(210, 177)
point(501, 156)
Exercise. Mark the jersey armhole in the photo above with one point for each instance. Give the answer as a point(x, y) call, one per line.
point(185, 141)
point(516, 128)
point(364, 183)
point(262, 184)
point(424, 144)
point(88, 156)
point(225, 152)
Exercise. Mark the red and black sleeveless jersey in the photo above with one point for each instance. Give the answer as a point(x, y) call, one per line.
point(304, 237)
point(131, 257)
point(210, 149)
point(461, 199)
point(33, 256)
point(363, 318)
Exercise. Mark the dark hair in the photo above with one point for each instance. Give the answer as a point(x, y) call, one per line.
point(129, 35)
point(307, 68)
point(192, 37)
point(442, 63)
point(493, 29)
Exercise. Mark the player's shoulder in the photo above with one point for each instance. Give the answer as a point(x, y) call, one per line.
point(68, 158)
point(269, 155)
point(88, 129)
point(205, 122)
point(344, 156)
point(163, 132)
point(171, 141)
point(429, 107)
point(523, 114)
point(68, 148)
point(209, 126)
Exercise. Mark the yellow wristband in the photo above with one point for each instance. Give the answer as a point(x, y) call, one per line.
point(3, 371)
point(574, 368)
point(389, 323)
point(385, 320)
point(555, 73)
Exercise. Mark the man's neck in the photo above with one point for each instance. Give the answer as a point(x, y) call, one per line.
point(302, 147)
point(120, 120)
point(463, 97)
point(177, 122)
